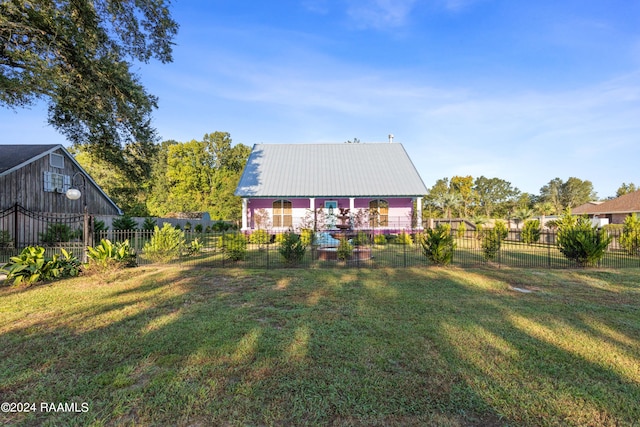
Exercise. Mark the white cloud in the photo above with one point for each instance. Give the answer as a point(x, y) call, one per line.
point(380, 14)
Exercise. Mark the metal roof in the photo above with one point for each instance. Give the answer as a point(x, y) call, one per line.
point(331, 170)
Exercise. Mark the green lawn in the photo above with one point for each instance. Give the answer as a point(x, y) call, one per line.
point(164, 345)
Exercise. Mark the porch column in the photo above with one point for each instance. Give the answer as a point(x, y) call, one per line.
point(245, 204)
point(312, 206)
point(352, 204)
point(419, 212)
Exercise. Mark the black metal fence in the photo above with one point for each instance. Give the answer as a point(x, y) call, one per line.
point(398, 250)
point(20, 227)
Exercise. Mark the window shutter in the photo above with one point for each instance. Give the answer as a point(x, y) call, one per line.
point(48, 182)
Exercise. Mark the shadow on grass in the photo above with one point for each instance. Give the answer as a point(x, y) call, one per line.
point(342, 347)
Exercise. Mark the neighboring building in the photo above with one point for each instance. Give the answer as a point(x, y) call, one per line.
point(298, 185)
point(614, 210)
point(37, 177)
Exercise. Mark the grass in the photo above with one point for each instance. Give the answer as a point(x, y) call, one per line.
point(164, 345)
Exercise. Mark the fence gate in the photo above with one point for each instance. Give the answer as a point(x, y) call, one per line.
point(20, 227)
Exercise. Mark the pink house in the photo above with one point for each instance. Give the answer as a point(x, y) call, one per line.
point(294, 186)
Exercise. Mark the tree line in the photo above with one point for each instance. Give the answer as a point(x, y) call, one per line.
point(482, 197)
point(173, 177)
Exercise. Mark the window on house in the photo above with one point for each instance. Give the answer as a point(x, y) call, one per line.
point(282, 213)
point(378, 213)
point(56, 182)
point(56, 160)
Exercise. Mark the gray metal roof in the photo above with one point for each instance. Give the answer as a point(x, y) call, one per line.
point(331, 170)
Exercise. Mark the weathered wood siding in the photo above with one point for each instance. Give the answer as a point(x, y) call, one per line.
point(26, 188)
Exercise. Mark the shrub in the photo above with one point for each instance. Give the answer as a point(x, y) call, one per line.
point(292, 248)
point(32, 266)
point(198, 228)
point(344, 250)
point(5, 239)
point(187, 226)
point(630, 237)
point(461, 230)
point(107, 255)
point(307, 236)
point(361, 239)
point(404, 239)
point(491, 240)
point(195, 247)
point(438, 245)
point(221, 226)
point(259, 237)
point(58, 232)
point(380, 239)
point(581, 242)
point(531, 231)
point(167, 243)
point(124, 223)
point(500, 228)
point(234, 246)
point(149, 224)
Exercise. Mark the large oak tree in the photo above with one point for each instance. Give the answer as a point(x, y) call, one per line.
point(77, 56)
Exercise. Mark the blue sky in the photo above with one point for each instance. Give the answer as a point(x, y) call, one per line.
point(523, 91)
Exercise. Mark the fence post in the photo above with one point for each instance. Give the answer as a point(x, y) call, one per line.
point(267, 246)
point(548, 251)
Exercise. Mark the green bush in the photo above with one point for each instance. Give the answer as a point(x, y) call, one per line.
point(307, 236)
point(292, 248)
point(361, 239)
point(344, 250)
point(581, 242)
point(461, 230)
point(531, 231)
point(124, 223)
point(259, 237)
point(149, 224)
point(630, 237)
point(221, 226)
point(194, 247)
point(5, 239)
point(166, 244)
point(438, 245)
point(234, 246)
point(380, 239)
point(32, 266)
point(57, 232)
point(198, 228)
point(404, 239)
point(500, 228)
point(107, 255)
point(491, 241)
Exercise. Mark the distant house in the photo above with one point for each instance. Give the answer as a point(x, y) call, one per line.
point(614, 210)
point(296, 186)
point(37, 177)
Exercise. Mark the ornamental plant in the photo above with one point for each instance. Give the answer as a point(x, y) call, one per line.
point(438, 245)
point(491, 241)
point(531, 231)
point(167, 243)
point(292, 248)
point(630, 237)
point(107, 255)
point(234, 246)
point(344, 250)
point(33, 266)
point(581, 242)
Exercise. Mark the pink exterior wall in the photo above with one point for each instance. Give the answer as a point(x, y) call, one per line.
point(400, 209)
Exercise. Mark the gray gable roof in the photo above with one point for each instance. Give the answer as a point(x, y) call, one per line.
point(15, 156)
point(330, 170)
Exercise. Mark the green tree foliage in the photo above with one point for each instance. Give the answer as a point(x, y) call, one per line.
point(438, 245)
point(531, 232)
point(127, 180)
point(292, 248)
point(579, 241)
point(490, 242)
point(567, 195)
point(75, 55)
point(626, 189)
point(198, 176)
point(494, 195)
point(630, 237)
